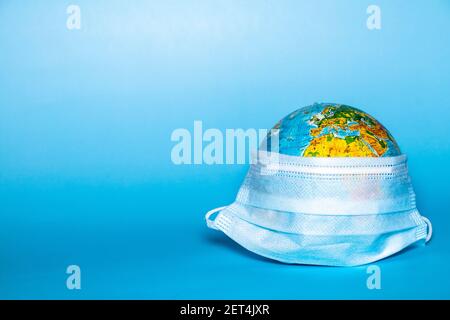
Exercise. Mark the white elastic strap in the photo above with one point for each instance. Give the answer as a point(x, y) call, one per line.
point(209, 222)
point(430, 229)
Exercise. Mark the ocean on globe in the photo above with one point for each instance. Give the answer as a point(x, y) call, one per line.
point(332, 130)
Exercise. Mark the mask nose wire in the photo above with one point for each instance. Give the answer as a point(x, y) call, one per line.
point(209, 222)
point(430, 228)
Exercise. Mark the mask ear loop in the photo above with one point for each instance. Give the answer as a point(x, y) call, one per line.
point(209, 221)
point(430, 229)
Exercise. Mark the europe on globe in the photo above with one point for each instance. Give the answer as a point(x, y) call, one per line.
point(332, 130)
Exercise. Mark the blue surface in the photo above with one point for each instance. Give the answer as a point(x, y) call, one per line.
point(86, 117)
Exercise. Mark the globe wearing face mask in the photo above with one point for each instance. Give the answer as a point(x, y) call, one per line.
point(333, 130)
point(333, 190)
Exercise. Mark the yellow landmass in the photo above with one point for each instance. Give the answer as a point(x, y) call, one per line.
point(330, 146)
point(378, 145)
point(372, 135)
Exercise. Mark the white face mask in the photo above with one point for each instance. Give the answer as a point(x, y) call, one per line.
point(324, 211)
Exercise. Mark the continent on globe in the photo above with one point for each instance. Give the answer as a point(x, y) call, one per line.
point(333, 130)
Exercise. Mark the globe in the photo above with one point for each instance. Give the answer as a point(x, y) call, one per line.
point(332, 130)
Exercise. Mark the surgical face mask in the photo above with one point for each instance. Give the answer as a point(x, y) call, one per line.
point(336, 211)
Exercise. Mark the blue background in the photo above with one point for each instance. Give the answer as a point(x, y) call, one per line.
point(86, 116)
